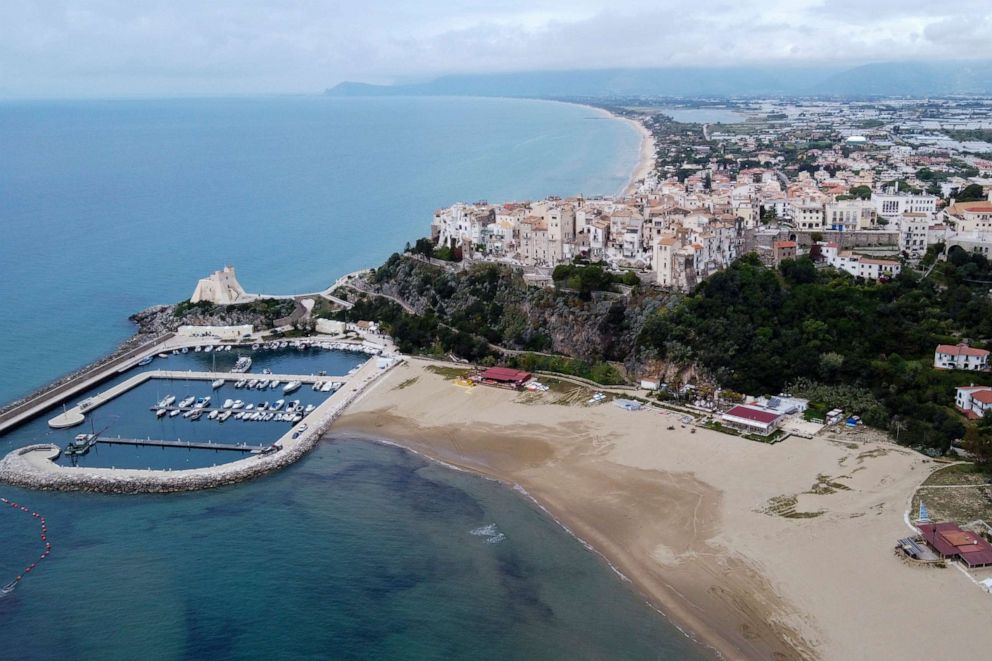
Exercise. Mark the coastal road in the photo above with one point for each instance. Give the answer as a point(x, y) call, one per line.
point(49, 396)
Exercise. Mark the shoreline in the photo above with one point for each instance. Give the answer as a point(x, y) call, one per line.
point(698, 537)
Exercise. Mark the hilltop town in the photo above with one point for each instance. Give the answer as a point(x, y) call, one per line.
point(867, 188)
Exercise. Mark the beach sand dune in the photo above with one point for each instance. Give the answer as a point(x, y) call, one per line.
point(762, 551)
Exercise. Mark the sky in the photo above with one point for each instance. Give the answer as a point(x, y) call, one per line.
point(68, 48)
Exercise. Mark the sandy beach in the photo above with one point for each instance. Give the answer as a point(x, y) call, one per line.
point(645, 162)
point(761, 551)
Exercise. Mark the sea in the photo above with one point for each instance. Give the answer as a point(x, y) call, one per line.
point(361, 550)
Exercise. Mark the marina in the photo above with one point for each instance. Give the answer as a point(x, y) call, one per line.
point(187, 401)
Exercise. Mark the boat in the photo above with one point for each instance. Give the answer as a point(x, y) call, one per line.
point(197, 414)
point(252, 383)
point(228, 403)
point(274, 383)
point(190, 413)
point(308, 409)
point(264, 406)
point(187, 401)
point(297, 417)
point(266, 371)
point(184, 350)
point(276, 405)
point(254, 347)
point(302, 428)
point(217, 384)
point(225, 415)
point(159, 413)
point(239, 415)
point(174, 412)
point(202, 402)
point(291, 387)
point(198, 349)
point(228, 347)
point(327, 387)
point(317, 385)
point(208, 349)
point(249, 407)
point(166, 401)
point(240, 383)
point(213, 414)
point(237, 404)
point(163, 355)
point(8, 588)
point(145, 361)
point(242, 366)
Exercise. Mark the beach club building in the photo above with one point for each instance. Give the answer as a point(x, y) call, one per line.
point(960, 357)
point(752, 420)
point(952, 543)
point(503, 377)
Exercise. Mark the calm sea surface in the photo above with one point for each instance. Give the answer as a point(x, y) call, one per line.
point(360, 551)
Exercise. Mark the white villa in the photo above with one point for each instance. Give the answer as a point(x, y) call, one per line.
point(973, 401)
point(960, 357)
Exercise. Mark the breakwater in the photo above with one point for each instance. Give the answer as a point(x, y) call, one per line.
point(33, 467)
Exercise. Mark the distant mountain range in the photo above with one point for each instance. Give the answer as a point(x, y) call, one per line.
point(891, 79)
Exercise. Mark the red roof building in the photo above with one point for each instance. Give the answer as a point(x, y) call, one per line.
point(948, 540)
point(504, 376)
point(751, 419)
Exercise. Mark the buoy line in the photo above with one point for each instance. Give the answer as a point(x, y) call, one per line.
point(9, 587)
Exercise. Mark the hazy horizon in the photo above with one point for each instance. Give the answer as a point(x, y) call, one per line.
point(112, 48)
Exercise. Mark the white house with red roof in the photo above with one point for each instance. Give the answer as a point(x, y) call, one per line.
point(960, 357)
point(973, 401)
point(752, 420)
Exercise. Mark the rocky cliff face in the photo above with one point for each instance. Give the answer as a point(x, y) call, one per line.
point(495, 302)
point(166, 318)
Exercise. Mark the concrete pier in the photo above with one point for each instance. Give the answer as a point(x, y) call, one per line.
point(81, 382)
point(76, 415)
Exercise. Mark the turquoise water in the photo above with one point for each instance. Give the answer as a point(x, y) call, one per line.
point(359, 551)
point(109, 207)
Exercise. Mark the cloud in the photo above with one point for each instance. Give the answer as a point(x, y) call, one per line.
point(72, 47)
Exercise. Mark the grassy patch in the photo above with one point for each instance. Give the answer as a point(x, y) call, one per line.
point(406, 384)
point(959, 474)
point(449, 372)
point(785, 506)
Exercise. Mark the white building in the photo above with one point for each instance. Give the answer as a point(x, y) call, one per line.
point(849, 215)
point(859, 266)
point(973, 401)
point(896, 204)
point(228, 333)
point(960, 357)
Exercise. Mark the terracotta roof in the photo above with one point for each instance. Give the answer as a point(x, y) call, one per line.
point(950, 541)
point(784, 244)
point(983, 396)
point(960, 350)
point(753, 414)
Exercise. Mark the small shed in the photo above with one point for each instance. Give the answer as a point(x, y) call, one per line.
point(627, 404)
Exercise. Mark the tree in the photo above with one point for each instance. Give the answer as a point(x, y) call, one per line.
point(861, 192)
point(971, 193)
point(978, 441)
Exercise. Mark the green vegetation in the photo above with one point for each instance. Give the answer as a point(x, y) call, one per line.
point(864, 347)
point(970, 135)
point(600, 372)
point(591, 277)
point(970, 193)
point(861, 192)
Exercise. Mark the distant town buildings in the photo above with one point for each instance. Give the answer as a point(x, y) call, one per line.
point(869, 186)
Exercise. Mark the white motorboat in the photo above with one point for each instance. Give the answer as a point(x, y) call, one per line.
point(242, 365)
point(187, 401)
point(174, 412)
point(159, 413)
point(237, 404)
point(276, 405)
point(166, 401)
point(218, 383)
point(228, 403)
point(213, 414)
point(291, 387)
